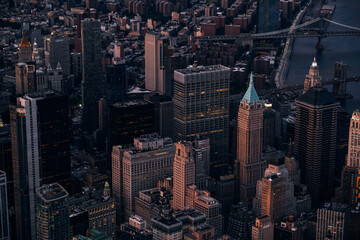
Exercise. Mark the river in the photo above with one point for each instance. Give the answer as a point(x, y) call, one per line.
point(336, 49)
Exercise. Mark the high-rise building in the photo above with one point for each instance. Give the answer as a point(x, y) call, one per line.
point(332, 221)
point(350, 185)
point(157, 75)
point(292, 164)
point(25, 77)
point(269, 126)
point(116, 81)
point(275, 192)
point(201, 107)
point(315, 142)
point(144, 165)
point(313, 79)
point(263, 229)
point(92, 79)
point(249, 165)
point(353, 157)
point(56, 79)
point(212, 209)
point(57, 50)
point(201, 149)
point(25, 50)
point(52, 212)
point(40, 136)
point(268, 16)
point(184, 173)
point(240, 222)
point(4, 215)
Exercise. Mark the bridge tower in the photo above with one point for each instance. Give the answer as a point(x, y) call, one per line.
point(246, 39)
point(319, 46)
point(339, 89)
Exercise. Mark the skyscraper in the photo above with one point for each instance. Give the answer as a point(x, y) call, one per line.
point(144, 165)
point(201, 149)
point(52, 213)
point(249, 165)
point(40, 137)
point(332, 221)
point(313, 79)
point(116, 81)
point(156, 75)
point(4, 215)
point(275, 192)
point(92, 79)
point(25, 77)
point(315, 142)
point(57, 50)
point(268, 16)
point(184, 173)
point(24, 50)
point(201, 107)
point(353, 157)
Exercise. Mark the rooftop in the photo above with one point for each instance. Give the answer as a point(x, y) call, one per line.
point(197, 69)
point(135, 102)
point(51, 192)
point(317, 97)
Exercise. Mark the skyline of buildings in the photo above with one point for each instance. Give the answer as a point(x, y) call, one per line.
point(176, 120)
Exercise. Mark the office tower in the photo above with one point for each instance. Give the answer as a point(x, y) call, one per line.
point(166, 228)
point(201, 107)
point(52, 212)
point(263, 229)
point(25, 50)
point(339, 88)
point(201, 149)
point(57, 50)
point(92, 79)
point(353, 156)
point(315, 142)
point(212, 209)
point(144, 165)
point(56, 78)
point(268, 16)
point(25, 77)
point(164, 110)
point(240, 222)
point(184, 172)
point(313, 79)
point(275, 192)
point(4, 215)
point(130, 119)
point(350, 185)
point(269, 126)
point(249, 165)
point(76, 65)
point(41, 80)
point(292, 165)
point(332, 221)
point(135, 229)
point(40, 138)
point(117, 183)
point(116, 82)
point(156, 54)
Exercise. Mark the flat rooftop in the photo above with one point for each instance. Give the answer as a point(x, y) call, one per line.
point(198, 69)
point(51, 192)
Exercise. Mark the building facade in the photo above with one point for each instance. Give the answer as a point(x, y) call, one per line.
point(249, 165)
point(201, 107)
point(313, 79)
point(353, 157)
point(4, 215)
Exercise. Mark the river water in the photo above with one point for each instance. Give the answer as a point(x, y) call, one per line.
point(336, 49)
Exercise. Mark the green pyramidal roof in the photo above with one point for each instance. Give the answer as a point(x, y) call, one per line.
point(251, 95)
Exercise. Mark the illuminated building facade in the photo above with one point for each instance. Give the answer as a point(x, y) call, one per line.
point(25, 50)
point(201, 107)
point(313, 79)
point(353, 157)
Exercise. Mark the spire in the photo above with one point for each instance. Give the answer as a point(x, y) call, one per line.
point(314, 64)
point(49, 68)
point(58, 67)
point(24, 41)
point(251, 95)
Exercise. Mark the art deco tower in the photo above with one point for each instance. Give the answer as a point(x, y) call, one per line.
point(184, 172)
point(313, 79)
point(249, 165)
point(24, 50)
point(353, 157)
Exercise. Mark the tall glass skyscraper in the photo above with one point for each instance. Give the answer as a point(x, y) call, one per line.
point(201, 107)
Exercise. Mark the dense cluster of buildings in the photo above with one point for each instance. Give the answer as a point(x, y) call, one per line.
point(116, 122)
